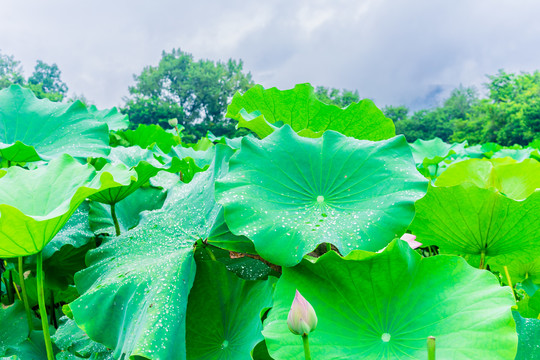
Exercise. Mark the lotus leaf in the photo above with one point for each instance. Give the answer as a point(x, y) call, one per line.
point(17, 330)
point(32, 129)
point(140, 280)
point(75, 344)
point(35, 204)
point(114, 119)
point(142, 161)
point(148, 135)
point(529, 337)
point(307, 115)
point(484, 210)
point(226, 310)
point(288, 193)
point(385, 305)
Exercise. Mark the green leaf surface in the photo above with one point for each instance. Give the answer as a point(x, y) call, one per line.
point(306, 114)
point(128, 211)
point(33, 348)
point(32, 129)
point(529, 337)
point(75, 344)
point(226, 309)
point(35, 204)
point(147, 135)
point(13, 326)
point(520, 269)
point(142, 162)
point(140, 280)
point(114, 119)
point(288, 193)
point(462, 218)
point(434, 150)
point(384, 306)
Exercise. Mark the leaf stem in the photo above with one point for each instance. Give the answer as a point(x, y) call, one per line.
point(482, 259)
point(9, 288)
point(25, 296)
point(305, 340)
point(509, 281)
point(43, 308)
point(115, 219)
point(431, 348)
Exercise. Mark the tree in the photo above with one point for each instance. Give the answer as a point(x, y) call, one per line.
point(10, 71)
point(46, 80)
point(334, 96)
point(396, 113)
point(195, 92)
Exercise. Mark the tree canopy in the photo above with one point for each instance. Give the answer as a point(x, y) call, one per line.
point(196, 92)
point(45, 80)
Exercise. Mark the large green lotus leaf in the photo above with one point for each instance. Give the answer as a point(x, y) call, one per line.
point(140, 280)
point(128, 211)
point(520, 269)
point(529, 337)
point(191, 161)
point(515, 180)
point(223, 316)
point(32, 129)
point(288, 193)
point(516, 154)
point(141, 161)
point(75, 344)
point(14, 327)
point(384, 306)
point(148, 135)
point(114, 119)
point(35, 204)
point(300, 108)
point(33, 348)
point(64, 255)
point(490, 221)
point(434, 150)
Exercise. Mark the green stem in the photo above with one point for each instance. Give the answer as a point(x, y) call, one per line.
point(9, 288)
point(431, 348)
point(509, 281)
point(210, 253)
point(43, 308)
point(115, 219)
point(482, 259)
point(53, 312)
point(305, 340)
point(25, 296)
point(328, 247)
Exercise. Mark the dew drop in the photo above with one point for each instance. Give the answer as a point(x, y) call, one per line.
point(385, 337)
point(320, 199)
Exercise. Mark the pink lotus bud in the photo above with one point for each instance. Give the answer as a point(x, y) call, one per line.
point(302, 318)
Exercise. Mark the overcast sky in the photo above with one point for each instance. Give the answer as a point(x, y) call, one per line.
point(395, 52)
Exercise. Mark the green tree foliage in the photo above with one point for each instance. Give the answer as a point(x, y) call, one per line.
point(45, 81)
point(510, 115)
point(333, 96)
point(194, 92)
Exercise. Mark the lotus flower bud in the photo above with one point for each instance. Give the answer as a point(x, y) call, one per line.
point(302, 318)
point(173, 122)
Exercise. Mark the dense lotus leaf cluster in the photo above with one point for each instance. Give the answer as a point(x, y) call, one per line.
point(133, 244)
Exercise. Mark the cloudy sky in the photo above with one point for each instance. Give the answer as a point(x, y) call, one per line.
point(395, 52)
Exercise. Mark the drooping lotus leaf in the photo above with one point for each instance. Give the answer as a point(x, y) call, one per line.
point(191, 161)
point(483, 209)
point(434, 150)
point(140, 160)
point(114, 119)
point(140, 280)
point(288, 193)
point(520, 269)
point(148, 135)
point(223, 316)
point(35, 204)
point(385, 305)
point(14, 329)
point(128, 211)
point(307, 115)
point(64, 255)
point(75, 344)
point(529, 337)
point(32, 129)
